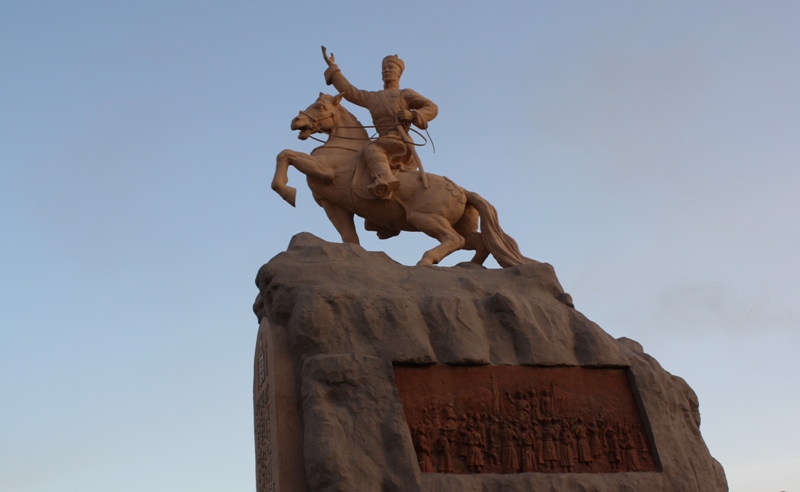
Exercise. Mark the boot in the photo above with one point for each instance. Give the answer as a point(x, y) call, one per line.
point(384, 185)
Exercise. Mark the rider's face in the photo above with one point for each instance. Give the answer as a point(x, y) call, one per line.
point(390, 72)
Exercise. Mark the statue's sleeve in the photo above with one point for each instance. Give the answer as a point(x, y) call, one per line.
point(334, 76)
point(424, 109)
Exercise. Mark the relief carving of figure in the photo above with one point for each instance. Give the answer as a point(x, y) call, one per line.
point(444, 449)
point(581, 436)
point(550, 454)
point(523, 406)
point(595, 443)
point(629, 451)
point(423, 448)
point(463, 431)
point(547, 403)
point(566, 455)
point(526, 443)
point(494, 443)
point(538, 446)
point(535, 414)
point(508, 456)
point(450, 418)
point(482, 425)
point(450, 413)
point(475, 442)
point(612, 443)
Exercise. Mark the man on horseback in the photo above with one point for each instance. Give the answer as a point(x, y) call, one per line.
point(393, 111)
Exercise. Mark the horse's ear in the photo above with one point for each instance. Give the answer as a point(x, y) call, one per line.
point(337, 98)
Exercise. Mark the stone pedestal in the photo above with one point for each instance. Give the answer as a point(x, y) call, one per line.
point(370, 375)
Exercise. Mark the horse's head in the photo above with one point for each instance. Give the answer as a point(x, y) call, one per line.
point(319, 117)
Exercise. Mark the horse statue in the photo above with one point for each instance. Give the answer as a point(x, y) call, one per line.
point(337, 179)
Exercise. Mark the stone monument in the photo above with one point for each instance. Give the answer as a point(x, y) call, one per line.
point(374, 376)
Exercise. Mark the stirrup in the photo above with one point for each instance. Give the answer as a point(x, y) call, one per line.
point(383, 189)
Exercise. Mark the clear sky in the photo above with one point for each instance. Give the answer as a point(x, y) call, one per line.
point(647, 150)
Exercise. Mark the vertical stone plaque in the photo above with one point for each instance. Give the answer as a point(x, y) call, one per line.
point(278, 432)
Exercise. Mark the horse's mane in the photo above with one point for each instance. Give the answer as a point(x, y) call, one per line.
point(356, 120)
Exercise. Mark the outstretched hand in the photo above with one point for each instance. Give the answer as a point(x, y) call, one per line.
point(330, 60)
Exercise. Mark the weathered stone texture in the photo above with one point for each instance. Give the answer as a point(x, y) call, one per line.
point(349, 314)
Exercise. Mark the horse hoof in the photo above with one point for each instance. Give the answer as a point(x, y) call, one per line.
point(291, 196)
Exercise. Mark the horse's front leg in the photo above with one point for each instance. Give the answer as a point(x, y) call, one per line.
point(341, 219)
point(304, 163)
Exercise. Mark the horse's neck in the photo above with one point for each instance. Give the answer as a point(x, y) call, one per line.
point(348, 132)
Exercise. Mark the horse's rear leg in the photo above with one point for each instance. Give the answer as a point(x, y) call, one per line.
point(467, 226)
point(475, 242)
point(439, 228)
point(342, 220)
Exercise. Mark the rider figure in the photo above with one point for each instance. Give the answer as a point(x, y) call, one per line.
point(393, 110)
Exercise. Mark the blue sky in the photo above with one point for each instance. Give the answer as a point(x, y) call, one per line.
point(648, 151)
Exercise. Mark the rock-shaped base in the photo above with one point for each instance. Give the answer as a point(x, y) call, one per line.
point(337, 320)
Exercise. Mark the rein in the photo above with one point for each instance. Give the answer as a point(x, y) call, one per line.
point(315, 128)
point(372, 138)
point(332, 114)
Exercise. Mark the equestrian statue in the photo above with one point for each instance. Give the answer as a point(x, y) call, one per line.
point(382, 179)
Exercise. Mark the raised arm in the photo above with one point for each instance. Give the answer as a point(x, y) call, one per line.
point(334, 76)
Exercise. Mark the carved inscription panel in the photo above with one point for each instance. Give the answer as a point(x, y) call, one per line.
point(263, 420)
point(514, 419)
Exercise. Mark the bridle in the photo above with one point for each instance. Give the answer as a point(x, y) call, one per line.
point(314, 120)
point(314, 127)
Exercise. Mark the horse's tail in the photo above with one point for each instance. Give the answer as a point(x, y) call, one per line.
point(502, 246)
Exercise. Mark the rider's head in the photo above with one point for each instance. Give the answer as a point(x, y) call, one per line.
point(391, 70)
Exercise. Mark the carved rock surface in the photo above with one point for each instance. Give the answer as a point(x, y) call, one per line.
point(350, 314)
